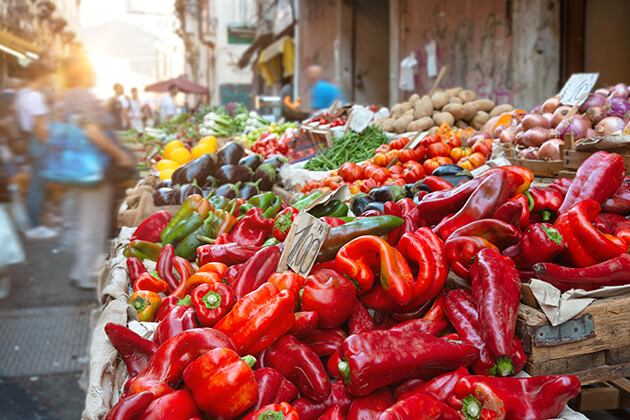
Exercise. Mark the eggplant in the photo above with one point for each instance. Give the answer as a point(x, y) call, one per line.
point(197, 169)
point(208, 192)
point(419, 186)
point(230, 174)
point(166, 183)
point(164, 196)
point(209, 182)
point(359, 202)
point(375, 205)
point(230, 154)
point(249, 190)
point(267, 173)
point(277, 160)
point(188, 190)
point(448, 169)
point(387, 193)
point(252, 161)
point(228, 191)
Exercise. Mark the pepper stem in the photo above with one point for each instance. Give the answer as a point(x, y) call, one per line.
point(344, 371)
point(502, 367)
point(249, 359)
point(184, 301)
point(271, 415)
point(139, 304)
point(212, 300)
point(471, 408)
point(545, 215)
point(553, 234)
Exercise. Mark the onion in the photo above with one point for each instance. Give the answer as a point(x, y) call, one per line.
point(559, 114)
point(549, 117)
point(550, 104)
point(534, 120)
point(595, 114)
point(620, 90)
point(591, 101)
point(479, 136)
point(626, 131)
point(497, 131)
point(529, 153)
point(617, 107)
point(550, 150)
point(574, 125)
point(602, 92)
point(488, 127)
point(537, 110)
point(590, 133)
point(535, 136)
point(508, 135)
point(609, 125)
point(518, 138)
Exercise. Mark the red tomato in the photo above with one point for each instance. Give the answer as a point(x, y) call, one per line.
point(395, 181)
point(397, 168)
point(438, 149)
point(333, 182)
point(310, 185)
point(351, 172)
point(383, 159)
point(399, 143)
point(473, 161)
point(380, 175)
point(428, 140)
point(417, 154)
point(368, 185)
point(413, 172)
point(383, 148)
point(483, 146)
point(453, 141)
point(368, 169)
point(459, 152)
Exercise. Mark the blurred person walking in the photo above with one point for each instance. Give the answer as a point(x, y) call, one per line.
point(323, 93)
point(168, 108)
point(136, 111)
point(93, 205)
point(118, 107)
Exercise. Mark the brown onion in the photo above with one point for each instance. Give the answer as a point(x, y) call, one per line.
point(529, 153)
point(591, 101)
point(550, 104)
point(479, 136)
point(559, 114)
point(595, 114)
point(534, 120)
point(497, 131)
point(488, 127)
point(550, 150)
point(549, 117)
point(518, 138)
point(508, 135)
point(609, 125)
point(590, 133)
point(620, 90)
point(602, 92)
point(574, 125)
point(535, 136)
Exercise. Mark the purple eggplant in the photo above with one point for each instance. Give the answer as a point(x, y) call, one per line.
point(230, 174)
point(230, 154)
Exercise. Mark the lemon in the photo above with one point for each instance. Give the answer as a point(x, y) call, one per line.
point(180, 155)
point(200, 150)
point(170, 146)
point(166, 173)
point(211, 141)
point(166, 164)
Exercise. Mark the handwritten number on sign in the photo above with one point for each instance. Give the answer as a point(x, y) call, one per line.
point(304, 243)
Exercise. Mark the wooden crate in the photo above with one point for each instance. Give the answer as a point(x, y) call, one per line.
point(547, 169)
point(609, 395)
point(573, 159)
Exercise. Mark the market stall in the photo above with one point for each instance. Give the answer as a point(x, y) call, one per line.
point(406, 270)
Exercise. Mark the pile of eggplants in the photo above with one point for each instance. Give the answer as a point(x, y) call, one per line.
point(228, 173)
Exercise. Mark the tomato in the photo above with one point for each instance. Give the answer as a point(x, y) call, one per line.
point(397, 168)
point(311, 185)
point(417, 154)
point(395, 181)
point(428, 140)
point(442, 160)
point(383, 159)
point(438, 149)
point(413, 172)
point(399, 143)
point(430, 165)
point(368, 185)
point(472, 161)
point(483, 146)
point(368, 168)
point(383, 148)
point(380, 175)
point(459, 152)
point(453, 141)
point(333, 182)
point(351, 172)
point(355, 188)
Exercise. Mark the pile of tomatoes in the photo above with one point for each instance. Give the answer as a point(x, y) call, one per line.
point(412, 165)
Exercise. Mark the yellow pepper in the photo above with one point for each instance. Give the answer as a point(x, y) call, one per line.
point(146, 304)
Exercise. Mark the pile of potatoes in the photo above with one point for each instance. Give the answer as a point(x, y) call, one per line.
point(456, 107)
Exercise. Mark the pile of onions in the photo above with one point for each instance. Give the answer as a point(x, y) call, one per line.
point(550, 150)
point(574, 125)
point(617, 107)
point(609, 126)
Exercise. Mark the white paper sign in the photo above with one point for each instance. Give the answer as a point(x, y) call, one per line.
point(576, 89)
point(432, 67)
point(303, 243)
point(361, 118)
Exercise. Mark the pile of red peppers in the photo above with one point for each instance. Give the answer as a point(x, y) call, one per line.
point(372, 332)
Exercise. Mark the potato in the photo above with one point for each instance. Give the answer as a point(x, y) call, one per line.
point(408, 112)
point(480, 118)
point(467, 96)
point(388, 125)
point(456, 110)
point(421, 124)
point(470, 109)
point(401, 123)
point(443, 117)
point(403, 107)
point(455, 100)
point(434, 113)
point(485, 105)
point(461, 124)
point(423, 108)
point(453, 92)
point(414, 98)
point(433, 131)
point(498, 110)
point(439, 99)
point(380, 120)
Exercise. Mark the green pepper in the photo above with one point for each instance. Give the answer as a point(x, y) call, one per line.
point(262, 201)
point(273, 208)
point(187, 226)
point(188, 246)
point(305, 200)
point(143, 250)
point(219, 203)
point(341, 235)
point(188, 206)
point(334, 208)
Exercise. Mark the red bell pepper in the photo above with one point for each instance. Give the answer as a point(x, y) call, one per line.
point(134, 350)
point(484, 201)
point(169, 303)
point(354, 259)
point(273, 388)
point(332, 221)
point(333, 413)
point(597, 178)
point(390, 208)
point(561, 185)
point(613, 272)
point(547, 202)
point(619, 202)
point(180, 319)
point(371, 406)
point(290, 281)
point(207, 274)
point(410, 215)
point(460, 253)
point(135, 267)
point(222, 384)
point(280, 411)
point(130, 406)
point(535, 398)
point(312, 410)
point(299, 364)
point(497, 232)
point(256, 271)
point(212, 302)
point(519, 178)
point(376, 359)
point(326, 342)
point(496, 287)
point(438, 204)
point(252, 229)
point(429, 405)
point(164, 369)
point(408, 388)
point(228, 254)
point(329, 294)
point(283, 222)
point(177, 405)
point(541, 242)
point(422, 326)
point(259, 319)
point(586, 246)
point(152, 227)
point(305, 323)
point(360, 320)
point(164, 267)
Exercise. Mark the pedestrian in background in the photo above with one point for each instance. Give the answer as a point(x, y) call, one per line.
point(136, 113)
point(323, 93)
point(168, 108)
point(118, 107)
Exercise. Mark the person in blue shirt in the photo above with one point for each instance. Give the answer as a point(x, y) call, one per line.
point(323, 93)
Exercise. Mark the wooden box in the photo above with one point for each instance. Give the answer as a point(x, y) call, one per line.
point(543, 168)
point(573, 159)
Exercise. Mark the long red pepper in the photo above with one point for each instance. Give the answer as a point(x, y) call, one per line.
point(312, 410)
point(165, 267)
point(133, 349)
point(256, 271)
point(429, 405)
point(127, 408)
point(371, 406)
point(135, 267)
point(613, 272)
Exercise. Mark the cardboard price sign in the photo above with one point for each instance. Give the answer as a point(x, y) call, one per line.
point(361, 118)
point(303, 243)
point(577, 88)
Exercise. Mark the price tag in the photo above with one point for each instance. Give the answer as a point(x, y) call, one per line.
point(303, 243)
point(577, 88)
point(361, 118)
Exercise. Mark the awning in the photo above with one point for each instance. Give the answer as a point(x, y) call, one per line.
point(269, 63)
point(184, 85)
point(260, 42)
point(18, 47)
